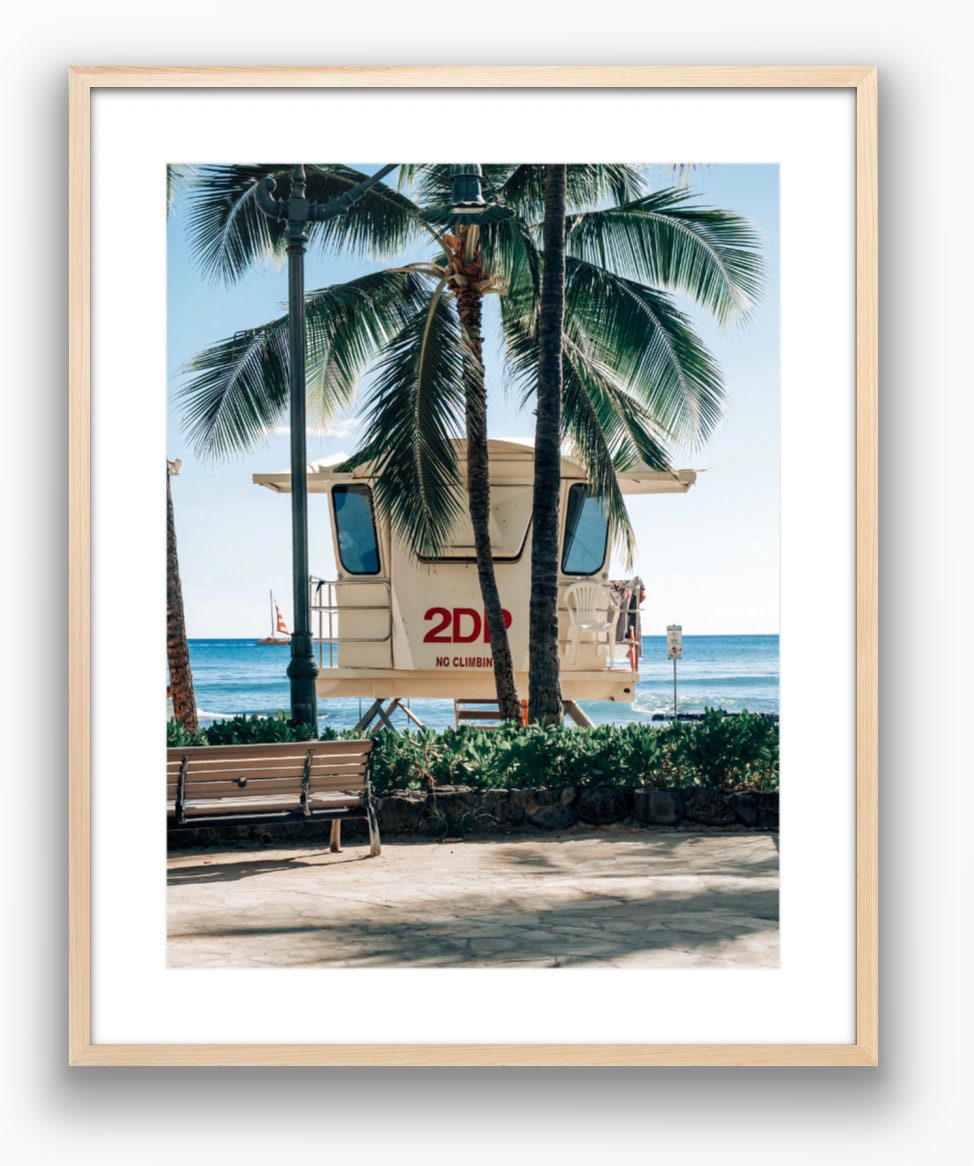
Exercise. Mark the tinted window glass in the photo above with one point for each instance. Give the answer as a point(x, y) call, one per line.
point(586, 533)
point(357, 545)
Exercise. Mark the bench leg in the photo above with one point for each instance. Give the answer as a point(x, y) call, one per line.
point(374, 845)
point(336, 837)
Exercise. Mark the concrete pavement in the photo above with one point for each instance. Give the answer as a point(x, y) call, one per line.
point(603, 898)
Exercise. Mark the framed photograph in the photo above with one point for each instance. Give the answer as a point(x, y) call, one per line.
point(590, 439)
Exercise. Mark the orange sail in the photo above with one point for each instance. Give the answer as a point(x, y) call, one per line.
point(279, 633)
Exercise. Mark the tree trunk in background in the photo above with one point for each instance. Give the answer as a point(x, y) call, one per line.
point(544, 693)
point(469, 306)
point(180, 675)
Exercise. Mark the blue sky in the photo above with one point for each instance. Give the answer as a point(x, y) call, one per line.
point(709, 559)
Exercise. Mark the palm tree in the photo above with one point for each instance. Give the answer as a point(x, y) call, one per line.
point(544, 687)
point(466, 261)
point(712, 257)
point(635, 376)
point(431, 346)
point(177, 647)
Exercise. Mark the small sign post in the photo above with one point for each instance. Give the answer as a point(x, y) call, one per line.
point(674, 652)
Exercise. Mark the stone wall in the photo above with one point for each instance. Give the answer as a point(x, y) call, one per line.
point(406, 811)
point(457, 811)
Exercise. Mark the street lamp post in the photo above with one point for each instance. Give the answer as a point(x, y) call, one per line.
point(296, 211)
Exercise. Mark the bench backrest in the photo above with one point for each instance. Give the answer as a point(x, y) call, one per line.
point(216, 771)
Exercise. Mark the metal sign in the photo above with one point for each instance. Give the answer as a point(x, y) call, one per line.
point(674, 641)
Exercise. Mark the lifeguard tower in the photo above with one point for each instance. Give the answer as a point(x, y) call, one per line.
point(392, 626)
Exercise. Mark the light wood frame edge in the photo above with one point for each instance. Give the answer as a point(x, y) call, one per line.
point(864, 1052)
point(867, 566)
point(79, 568)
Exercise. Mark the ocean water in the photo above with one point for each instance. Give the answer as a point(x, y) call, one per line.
point(729, 672)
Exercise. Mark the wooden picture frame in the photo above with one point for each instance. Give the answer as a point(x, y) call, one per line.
point(864, 1050)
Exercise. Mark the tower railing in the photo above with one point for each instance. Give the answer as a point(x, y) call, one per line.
point(325, 607)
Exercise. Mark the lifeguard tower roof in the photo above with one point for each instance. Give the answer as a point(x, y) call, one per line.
point(508, 459)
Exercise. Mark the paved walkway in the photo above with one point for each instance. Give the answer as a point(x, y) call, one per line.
point(608, 898)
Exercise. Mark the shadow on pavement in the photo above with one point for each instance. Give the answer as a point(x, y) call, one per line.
point(226, 872)
point(574, 933)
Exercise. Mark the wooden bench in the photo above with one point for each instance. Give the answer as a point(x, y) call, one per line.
point(300, 781)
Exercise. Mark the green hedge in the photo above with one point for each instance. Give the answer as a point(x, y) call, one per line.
point(719, 752)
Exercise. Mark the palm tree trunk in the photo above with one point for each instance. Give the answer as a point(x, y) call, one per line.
point(469, 307)
point(180, 674)
point(544, 691)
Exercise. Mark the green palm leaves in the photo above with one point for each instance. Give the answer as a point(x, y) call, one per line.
point(228, 232)
point(237, 389)
point(416, 410)
point(711, 256)
point(637, 378)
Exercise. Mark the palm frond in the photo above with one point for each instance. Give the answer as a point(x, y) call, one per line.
point(238, 388)
point(381, 223)
point(521, 186)
point(347, 325)
point(588, 184)
point(631, 434)
point(178, 178)
point(712, 256)
point(512, 257)
point(229, 232)
point(424, 181)
point(227, 229)
point(414, 413)
point(603, 425)
point(651, 348)
point(430, 182)
point(588, 426)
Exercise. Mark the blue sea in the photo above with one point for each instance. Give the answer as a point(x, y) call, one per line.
point(728, 672)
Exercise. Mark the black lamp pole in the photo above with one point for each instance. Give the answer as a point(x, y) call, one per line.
point(297, 212)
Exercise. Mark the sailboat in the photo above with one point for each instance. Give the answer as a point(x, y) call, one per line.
point(279, 633)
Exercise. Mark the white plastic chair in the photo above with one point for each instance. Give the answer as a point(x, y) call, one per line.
point(590, 609)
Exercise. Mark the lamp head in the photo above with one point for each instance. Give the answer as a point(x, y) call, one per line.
point(467, 203)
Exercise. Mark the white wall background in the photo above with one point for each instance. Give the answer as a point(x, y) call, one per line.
point(915, 1106)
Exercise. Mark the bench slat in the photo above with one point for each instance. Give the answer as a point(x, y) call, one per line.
point(355, 774)
point(257, 787)
point(276, 750)
point(355, 768)
point(317, 800)
point(204, 807)
point(209, 807)
point(326, 781)
point(197, 768)
point(174, 757)
point(229, 789)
